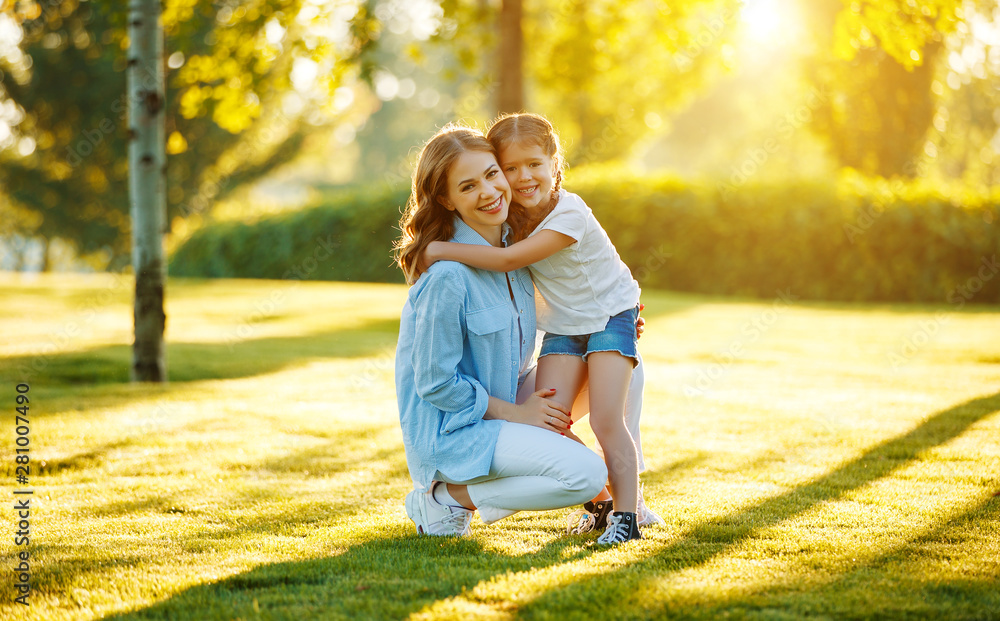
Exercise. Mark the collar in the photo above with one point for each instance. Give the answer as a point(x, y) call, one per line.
point(465, 234)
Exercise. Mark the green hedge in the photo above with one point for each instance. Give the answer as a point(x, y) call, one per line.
point(850, 239)
point(347, 236)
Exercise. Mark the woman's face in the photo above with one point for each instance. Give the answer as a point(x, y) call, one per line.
point(479, 193)
point(529, 170)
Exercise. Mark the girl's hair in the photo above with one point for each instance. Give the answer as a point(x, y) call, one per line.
point(528, 128)
point(426, 219)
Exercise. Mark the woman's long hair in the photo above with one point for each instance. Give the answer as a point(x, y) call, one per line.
point(426, 218)
point(527, 128)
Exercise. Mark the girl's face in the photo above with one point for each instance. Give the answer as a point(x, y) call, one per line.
point(530, 172)
point(479, 193)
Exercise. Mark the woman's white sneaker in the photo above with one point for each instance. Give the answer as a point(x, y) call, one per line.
point(434, 518)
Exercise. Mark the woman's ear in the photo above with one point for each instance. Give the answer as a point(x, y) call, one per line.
point(446, 203)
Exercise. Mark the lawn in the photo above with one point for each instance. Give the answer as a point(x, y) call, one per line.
point(831, 461)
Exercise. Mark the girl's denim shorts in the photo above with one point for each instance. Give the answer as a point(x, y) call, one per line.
point(619, 335)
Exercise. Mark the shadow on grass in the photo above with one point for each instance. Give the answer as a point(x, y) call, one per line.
point(391, 576)
point(708, 540)
point(902, 593)
point(398, 574)
point(189, 362)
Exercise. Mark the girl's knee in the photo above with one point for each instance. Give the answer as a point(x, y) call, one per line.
point(607, 426)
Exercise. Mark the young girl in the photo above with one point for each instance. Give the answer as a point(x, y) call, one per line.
point(589, 300)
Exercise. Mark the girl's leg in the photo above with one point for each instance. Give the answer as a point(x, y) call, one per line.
point(633, 412)
point(633, 409)
point(535, 470)
point(564, 372)
point(607, 411)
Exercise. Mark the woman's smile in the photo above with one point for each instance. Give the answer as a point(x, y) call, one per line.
point(479, 193)
point(493, 207)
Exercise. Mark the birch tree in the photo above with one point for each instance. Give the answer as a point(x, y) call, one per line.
point(147, 187)
point(228, 69)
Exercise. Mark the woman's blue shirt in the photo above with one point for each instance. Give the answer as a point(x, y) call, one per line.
point(461, 340)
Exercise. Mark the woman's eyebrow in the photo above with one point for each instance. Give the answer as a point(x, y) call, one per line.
point(471, 180)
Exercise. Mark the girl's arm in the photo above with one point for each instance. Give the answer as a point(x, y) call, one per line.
point(540, 246)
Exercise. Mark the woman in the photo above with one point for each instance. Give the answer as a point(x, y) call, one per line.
point(465, 343)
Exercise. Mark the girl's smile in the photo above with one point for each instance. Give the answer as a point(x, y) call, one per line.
point(530, 173)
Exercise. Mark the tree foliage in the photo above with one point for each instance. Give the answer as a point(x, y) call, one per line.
point(876, 61)
point(605, 72)
point(233, 108)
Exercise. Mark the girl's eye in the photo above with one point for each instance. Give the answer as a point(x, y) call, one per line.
point(536, 164)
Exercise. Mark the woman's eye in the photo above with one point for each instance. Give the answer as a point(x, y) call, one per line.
point(491, 174)
point(467, 188)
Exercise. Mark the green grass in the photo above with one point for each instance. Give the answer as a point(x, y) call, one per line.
point(808, 462)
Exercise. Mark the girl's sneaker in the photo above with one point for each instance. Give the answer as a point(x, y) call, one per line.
point(593, 516)
point(622, 527)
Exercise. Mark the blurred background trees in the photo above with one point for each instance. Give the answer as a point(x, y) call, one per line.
point(233, 112)
point(317, 93)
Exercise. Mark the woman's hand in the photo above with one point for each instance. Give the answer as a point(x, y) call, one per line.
point(640, 323)
point(541, 411)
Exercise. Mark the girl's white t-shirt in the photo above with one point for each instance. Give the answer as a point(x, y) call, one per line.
point(584, 284)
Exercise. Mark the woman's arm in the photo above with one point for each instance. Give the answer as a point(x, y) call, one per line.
point(437, 351)
point(540, 246)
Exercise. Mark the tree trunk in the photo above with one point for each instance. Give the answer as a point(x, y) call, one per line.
point(45, 266)
point(510, 95)
point(147, 186)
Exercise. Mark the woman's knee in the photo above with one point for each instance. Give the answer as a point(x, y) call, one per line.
point(588, 477)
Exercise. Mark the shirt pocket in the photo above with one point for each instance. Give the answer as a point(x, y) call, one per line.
point(489, 343)
point(488, 323)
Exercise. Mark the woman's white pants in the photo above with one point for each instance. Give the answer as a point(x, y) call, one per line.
point(534, 469)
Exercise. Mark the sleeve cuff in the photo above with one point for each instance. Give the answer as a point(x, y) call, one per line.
point(470, 415)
